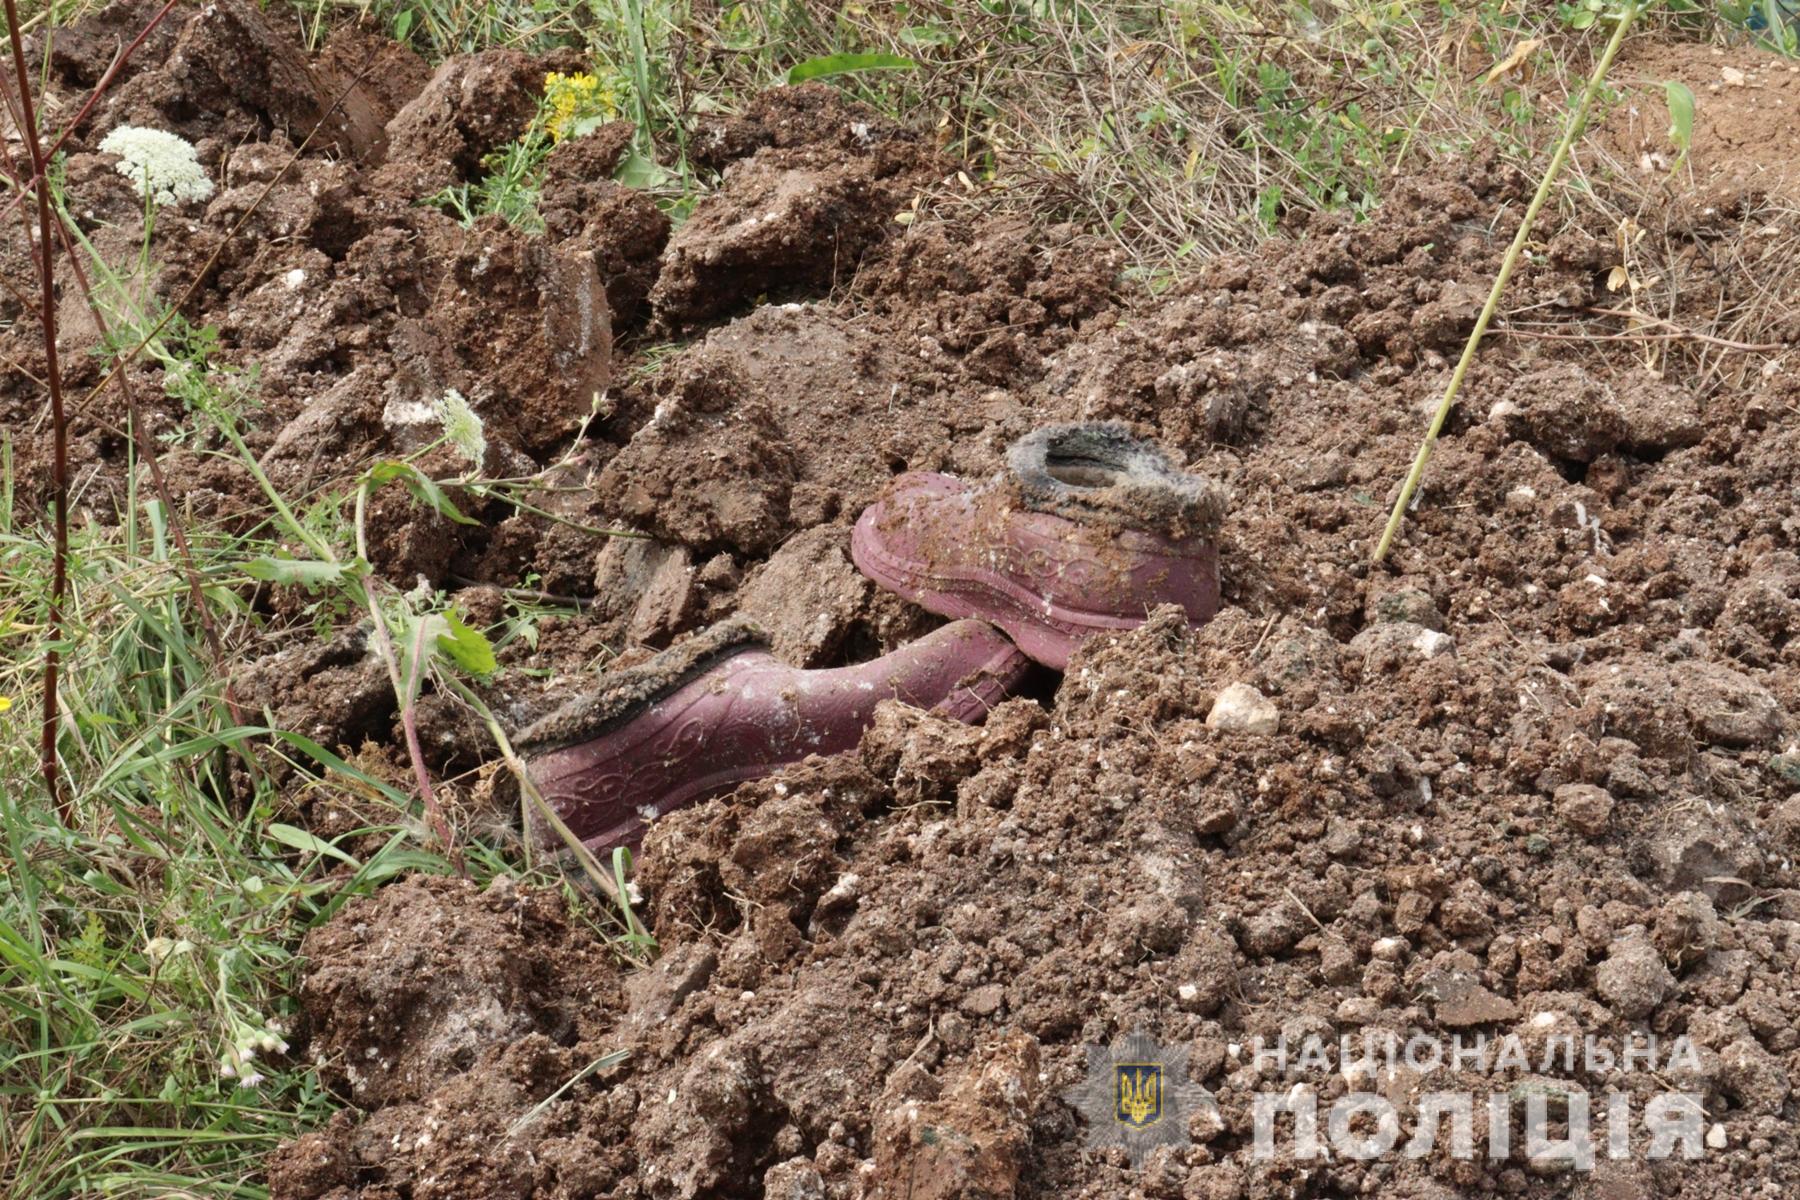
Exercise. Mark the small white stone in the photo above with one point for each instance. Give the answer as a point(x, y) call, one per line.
point(1240, 708)
point(1430, 643)
point(1390, 948)
point(1715, 1137)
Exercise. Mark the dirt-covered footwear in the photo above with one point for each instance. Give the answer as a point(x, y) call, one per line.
point(717, 710)
point(1088, 529)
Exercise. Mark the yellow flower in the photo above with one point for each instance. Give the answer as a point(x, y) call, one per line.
point(5, 703)
point(576, 104)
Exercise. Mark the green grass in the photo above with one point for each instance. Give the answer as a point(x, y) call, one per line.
point(147, 943)
point(146, 948)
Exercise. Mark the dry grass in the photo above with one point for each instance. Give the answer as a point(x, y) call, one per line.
point(1187, 129)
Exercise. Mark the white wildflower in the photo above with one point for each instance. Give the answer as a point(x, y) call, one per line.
point(164, 167)
point(252, 1080)
point(462, 426)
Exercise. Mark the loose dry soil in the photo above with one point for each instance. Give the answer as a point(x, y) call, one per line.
point(1549, 748)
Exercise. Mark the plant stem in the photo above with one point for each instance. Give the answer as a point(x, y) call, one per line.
point(227, 426)
point(1577, 122)
point(409, 723)
point(405, 691)
point(59, 463)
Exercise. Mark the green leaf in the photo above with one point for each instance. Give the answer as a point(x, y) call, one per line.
point(1681, 115)
point(845, 64)
point(299, 839)
point(398, 862)
point(583, 126)
point(641, 171)
point(320, 754)
point(309, 573)
point(466, 647)
point(1268, 206)
point(927, 35)
point(424, 488)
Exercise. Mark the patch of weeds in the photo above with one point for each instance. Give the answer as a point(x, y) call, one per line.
point(146, 949)
point(1199, 124)
point(571, 106)
point(508, 190)
point(1180, 128)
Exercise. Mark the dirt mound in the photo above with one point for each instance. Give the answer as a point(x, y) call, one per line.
point(469, 107)
point(931, 884)
point(449, 1011)
point(812, 114)
point(1531, 778)
point(623, 227)
point(997, 297)
point(441, 974)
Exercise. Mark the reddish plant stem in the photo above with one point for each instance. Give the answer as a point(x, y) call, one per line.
point(409, 722)
point(59, 465)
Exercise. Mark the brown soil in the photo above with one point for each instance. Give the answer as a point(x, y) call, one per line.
point(1746, 117)
point(1548, 747)
point(1707, 243)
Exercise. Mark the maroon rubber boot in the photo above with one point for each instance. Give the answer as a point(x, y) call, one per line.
point(1088, 529)
point(704, 716)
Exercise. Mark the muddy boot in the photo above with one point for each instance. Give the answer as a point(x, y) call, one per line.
point(1088, 529)
point(706, 715)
